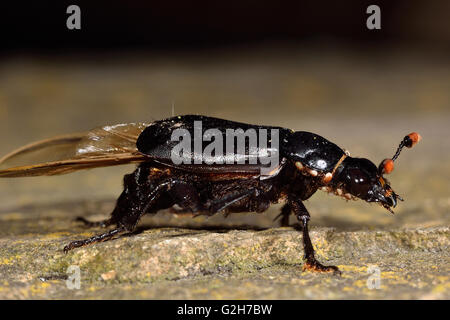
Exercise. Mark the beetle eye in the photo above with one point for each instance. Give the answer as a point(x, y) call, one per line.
point(358, 182)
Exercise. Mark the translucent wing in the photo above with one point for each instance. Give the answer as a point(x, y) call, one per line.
point(100, 147)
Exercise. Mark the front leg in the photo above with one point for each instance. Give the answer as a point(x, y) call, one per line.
point(311, 263)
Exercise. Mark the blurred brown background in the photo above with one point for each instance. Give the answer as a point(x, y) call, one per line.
point(302, 64)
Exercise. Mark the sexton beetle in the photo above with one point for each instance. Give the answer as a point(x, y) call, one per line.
point(307, 162)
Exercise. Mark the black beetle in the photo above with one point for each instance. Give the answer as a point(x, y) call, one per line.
point(210, 184)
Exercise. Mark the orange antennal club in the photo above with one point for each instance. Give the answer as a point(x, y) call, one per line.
point(387, 165)
point(408, 141)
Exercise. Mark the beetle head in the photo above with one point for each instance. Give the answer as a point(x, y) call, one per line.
point(362, 179)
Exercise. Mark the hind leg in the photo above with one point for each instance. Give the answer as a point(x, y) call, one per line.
point(135, 185)
point(98, 238)
point(140, 195)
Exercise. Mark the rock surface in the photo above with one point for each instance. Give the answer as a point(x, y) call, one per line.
point(216, 262)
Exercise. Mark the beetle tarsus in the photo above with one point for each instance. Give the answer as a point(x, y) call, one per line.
point(315, 266)
point(98, 238)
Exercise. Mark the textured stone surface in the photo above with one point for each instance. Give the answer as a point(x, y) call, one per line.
point(171, 262)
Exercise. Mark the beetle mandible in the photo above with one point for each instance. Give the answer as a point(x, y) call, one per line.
point(307, 163)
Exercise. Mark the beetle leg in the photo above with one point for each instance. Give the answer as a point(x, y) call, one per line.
point(186, 196)
point(98, 238)
point(139, 196)
point(311, 263)
point(284, 215)
point(223, 203)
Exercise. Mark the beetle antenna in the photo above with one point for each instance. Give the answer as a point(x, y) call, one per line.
point(408, 141)
point(387, 165)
